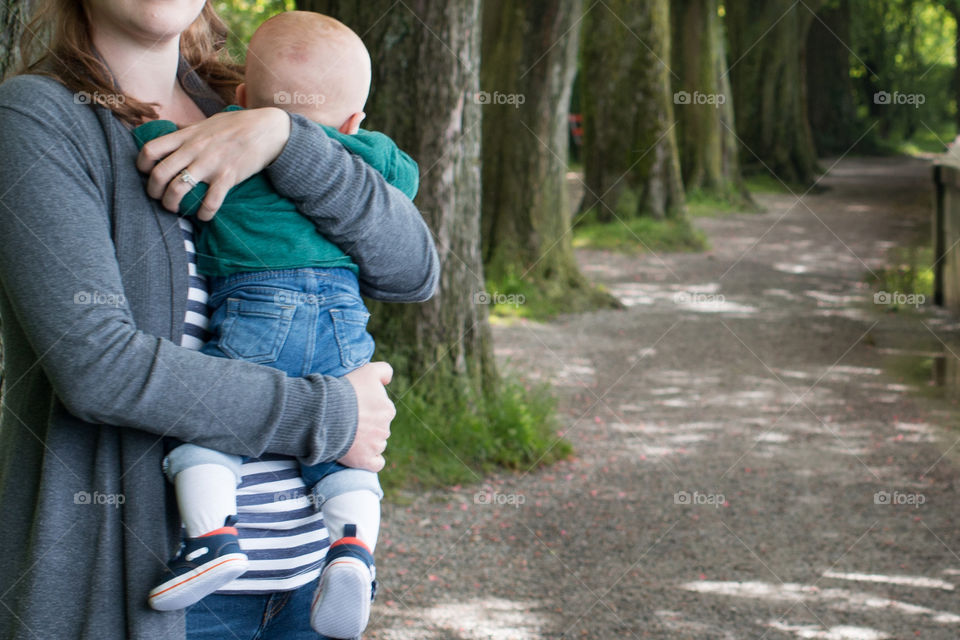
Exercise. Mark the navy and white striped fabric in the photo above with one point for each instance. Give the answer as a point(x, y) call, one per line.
point(283, 537)
point(198, 319)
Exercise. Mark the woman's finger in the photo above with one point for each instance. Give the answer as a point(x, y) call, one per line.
point(165, 172)
point(177, 188)
point(216, 194)
point(159, 148)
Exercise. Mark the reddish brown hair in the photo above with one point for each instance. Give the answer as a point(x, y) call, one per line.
point(57, 42)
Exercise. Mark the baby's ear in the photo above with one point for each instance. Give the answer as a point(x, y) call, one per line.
point(242, 94)
point(352, 124)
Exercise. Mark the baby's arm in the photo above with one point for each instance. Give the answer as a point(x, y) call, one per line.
point(383, 154)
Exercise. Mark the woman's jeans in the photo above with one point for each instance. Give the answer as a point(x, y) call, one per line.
point(300, 321)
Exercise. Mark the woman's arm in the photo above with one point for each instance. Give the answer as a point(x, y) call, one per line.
point(353, 206)
point(59, 269)
point(350, 203)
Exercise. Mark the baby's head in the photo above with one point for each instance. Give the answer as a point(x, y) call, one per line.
point(311, 64)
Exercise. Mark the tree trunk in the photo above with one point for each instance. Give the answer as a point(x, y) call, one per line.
point(630, 153)
point(830, 93)
point(767, 47)
point(13, 16)
point(529, 60)
point(425, 83)
point(703, 102)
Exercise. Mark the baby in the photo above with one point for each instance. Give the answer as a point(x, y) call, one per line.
point(283, 295)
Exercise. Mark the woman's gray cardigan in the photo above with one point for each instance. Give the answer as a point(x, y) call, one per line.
point(93, 290)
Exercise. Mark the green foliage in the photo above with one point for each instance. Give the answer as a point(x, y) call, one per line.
point(925, 140)
point(244, 16)
point(441, 437)
point(638, 235)
point(905, 48)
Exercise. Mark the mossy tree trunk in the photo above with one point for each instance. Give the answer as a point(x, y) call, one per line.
point(703, 103)
point(630, 157)
point(830, 92)
point(767, 48)
point(425, 79)
point(529, 60)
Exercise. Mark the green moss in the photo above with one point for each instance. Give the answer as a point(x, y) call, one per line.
point(441, 437)
point(639, 235)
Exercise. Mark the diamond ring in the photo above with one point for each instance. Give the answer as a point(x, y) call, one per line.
point(186, 177)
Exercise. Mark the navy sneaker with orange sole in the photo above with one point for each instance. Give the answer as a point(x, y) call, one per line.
point(202, 566)
point(347, 586)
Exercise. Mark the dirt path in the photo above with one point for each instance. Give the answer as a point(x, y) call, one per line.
point(746, 467)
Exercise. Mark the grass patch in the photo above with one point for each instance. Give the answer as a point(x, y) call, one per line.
point(709, 204)
point(926, 140)
point(907, 281)
point(766, 183)
point(513, 297)
point(639, 235)
point(441, 438)
point(917, 371)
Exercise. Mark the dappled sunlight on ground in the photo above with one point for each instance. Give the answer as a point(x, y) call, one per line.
point(834, 598)
point(753, 455)
point(479, 619)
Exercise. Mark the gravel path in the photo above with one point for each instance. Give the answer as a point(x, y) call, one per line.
point(747, 466)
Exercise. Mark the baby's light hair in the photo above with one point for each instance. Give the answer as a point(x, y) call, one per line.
point(308, 63)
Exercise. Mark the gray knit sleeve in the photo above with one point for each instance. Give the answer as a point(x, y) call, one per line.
point(60, 274)
point(353, 206)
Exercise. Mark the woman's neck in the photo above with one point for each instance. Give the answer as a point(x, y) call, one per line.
point(149, 74)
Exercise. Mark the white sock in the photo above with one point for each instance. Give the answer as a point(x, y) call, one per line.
point(361, 508)
point(206, 495)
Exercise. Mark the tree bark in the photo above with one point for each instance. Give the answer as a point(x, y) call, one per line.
point(529, 60)
point(425, 82)
point(13, 16)
point(703, 101)
point(767, 48)
point(830, 92)
point(630, 156)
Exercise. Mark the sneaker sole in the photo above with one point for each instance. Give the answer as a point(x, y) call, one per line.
point(341, 606)
point(190, 588)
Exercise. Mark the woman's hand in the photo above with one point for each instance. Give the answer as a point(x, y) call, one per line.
point(374, 413)
point(222, 151)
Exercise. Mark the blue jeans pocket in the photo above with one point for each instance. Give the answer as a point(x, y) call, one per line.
point(350, 330)
point(255, 330)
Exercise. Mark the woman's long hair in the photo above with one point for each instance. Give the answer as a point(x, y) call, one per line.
point(57, 42)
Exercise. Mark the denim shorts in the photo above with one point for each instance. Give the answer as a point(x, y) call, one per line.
point(301, 321)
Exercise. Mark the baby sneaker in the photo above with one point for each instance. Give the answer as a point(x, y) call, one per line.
point(347, 586)
point(202, 566)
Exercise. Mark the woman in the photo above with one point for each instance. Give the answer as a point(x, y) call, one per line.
point(97, 296)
